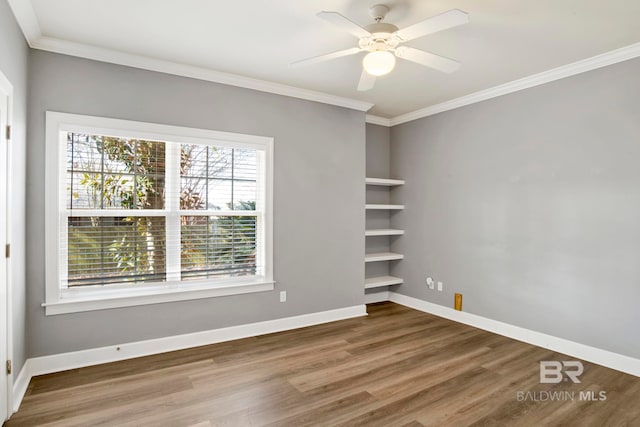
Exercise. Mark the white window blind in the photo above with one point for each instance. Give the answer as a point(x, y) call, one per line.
point(139, 211)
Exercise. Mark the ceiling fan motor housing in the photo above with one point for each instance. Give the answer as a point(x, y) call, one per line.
point(381, 27)
point(382, 37)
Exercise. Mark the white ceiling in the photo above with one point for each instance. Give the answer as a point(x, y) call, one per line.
point(505, 40)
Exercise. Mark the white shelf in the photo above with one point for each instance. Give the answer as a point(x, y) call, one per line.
point(382, 281)
point(377, 282)
point(382, 256)
point(384, 182)
point(391, 207)
point(383, 232)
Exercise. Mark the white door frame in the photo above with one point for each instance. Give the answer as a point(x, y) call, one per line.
point(6, 92)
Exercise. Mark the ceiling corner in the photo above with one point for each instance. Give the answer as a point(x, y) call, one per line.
point(27, 19)
point(376, 120)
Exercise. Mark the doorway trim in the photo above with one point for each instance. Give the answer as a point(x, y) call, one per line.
point(6, 88)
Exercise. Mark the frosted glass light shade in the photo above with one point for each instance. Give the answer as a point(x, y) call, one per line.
point(379, 63)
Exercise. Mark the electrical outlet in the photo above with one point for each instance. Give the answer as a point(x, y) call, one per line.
point(440, 286)
point(283, 296)
point(430, 283)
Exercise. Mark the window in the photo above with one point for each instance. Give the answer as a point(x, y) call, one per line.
point(139, 213)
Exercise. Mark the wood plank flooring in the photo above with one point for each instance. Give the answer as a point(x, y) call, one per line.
point(395, 367)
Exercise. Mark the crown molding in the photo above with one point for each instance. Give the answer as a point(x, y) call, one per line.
point(27, 19)
point(376, 120)
point(28, 22)
point(595, 62)
point(152, 64)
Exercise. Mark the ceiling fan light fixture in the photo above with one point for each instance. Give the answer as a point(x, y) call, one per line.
point(383, 43)
point(379, 63)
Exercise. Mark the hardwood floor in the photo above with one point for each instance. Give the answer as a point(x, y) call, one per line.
point(395, 367)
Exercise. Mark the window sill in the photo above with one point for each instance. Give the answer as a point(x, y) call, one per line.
point(108, 300)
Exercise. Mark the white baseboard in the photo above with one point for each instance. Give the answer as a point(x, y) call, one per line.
point(376, 297)
point(78, 359)
point(95, 356)
point(20, 385)
point(595, 355)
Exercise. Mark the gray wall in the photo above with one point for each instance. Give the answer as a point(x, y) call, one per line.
point(529, 205)
point(319, 194)
point(378, 160)
point(13, 64)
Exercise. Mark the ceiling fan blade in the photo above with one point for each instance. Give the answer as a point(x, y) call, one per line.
point(345, 23)
point(445, 20)
point(366, 81)
point(326, 57)
point(427, 59)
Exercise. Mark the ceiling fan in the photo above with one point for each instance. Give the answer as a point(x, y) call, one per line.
point(382, 41)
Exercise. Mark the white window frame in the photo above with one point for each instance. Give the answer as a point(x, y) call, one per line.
point(61, 300)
